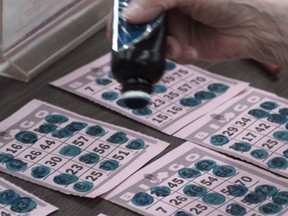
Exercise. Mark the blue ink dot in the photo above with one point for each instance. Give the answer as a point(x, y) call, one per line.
point(103, 81)
point(83, 186)
point(121, 103)
point(224, 171)
point(284, 111)
point(26, 137)
point(95, 130)
point(204, 95)
point(142, 199)
point(286, 126)
point(170, 65)
point(254, 198)
point(142, 111)
point(266, 190)
point(76, 126)
point(258, 113)
point(219, 140)
point(118, 138)
point(23, 205)
point(285, 153)
point(89, 158)
point(65, 179)
point(7, 196)
point(70, 151)
point(194, 190)
point(62, 133)
point(109, 96)
point(218, 87)
point(281, 135)
point(237, 190)
point(281, 198)
point(259, 154)
point(236, 209)
point(270, 208)
point(160, 191)
point(269, 105)
point(278, 163)
point(40, 171)
point(136, 144)
point(277, 118)
point(109, 165)
point(158, 89)
point(188, 173)
point(46, 128)
point(16, 165)
point(205, 165)
point(214, 198)
point(56, 119)
point(190, 102)
point(182, 213)
point(4, 158)
point(241, 146)
point(110, 75)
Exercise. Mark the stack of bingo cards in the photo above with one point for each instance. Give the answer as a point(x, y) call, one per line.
point(192, 180)
point(70, 153)
point(253, 126)
point(182, 95)
point(16, 201)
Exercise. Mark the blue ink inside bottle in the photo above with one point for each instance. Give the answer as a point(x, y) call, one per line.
point(236, 209)
point(237, 190)
point(56, 119)
point(204, 95)
point(277, 118)
point(266, 190)
point(258, 113)
point(284, 111)
point(182, 213)
point(16, 165)
point(142, 199)
point(194, 190)
point(281, 198)
point(46, 128)
point(76, 126)
point(241, 146)
point(205, 165)
point(65, 179)
point(121, 103)
point(40, 171)
point(160, 191)
point(109, 96)
point(224, 171)
point(136, 144)
point(103, 81)
point(219, 140)
point(95, 130)
point(118, 138)
point(83, 186)
point(23, 205)
point(70, 151)
point(142, 111)
point(159, 89)
point(190, 102)
point(218, 88)
point(109, 165)
point(170, 66)
point(259, 154)
point(110, 75)
point(7, 196)
point(270, 208)
point(285, 153)
point(281, 135)
point(62, 133)
point(269, 105)
point(89, 158)
point(26, 137)
point(214, 199)
point(254, 198)
point(4, 158)
point(188, 173)
point(278, 163)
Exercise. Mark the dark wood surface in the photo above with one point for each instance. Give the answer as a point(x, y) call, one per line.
point(15, 94)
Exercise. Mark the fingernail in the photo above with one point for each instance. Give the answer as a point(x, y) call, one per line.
point(132, 10)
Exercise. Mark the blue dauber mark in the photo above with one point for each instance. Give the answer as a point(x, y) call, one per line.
point(241, 146)
point(259, 154)
point(219, 140)
point(205, 165)
point(159, 89)
point(270, 208)
point(7, 196)
point(26, 137)
point(224, 171)
point(190, 102)
point(283, 111)
point(16, 165)
point(103, 81)
point(62, 133)
point(235, 209)
point(218, 88)
point(76, 126)
point(23, 205)
point(40, 171)
point(142, 199)
point(65, 179)
point(188, 173)
point(118, 138)
point(142, 111)
point(83, 186)
point(182, 213)
point(285, 153)
point(194, 190)
point(109, 165)
point(89, 158)
point(170, 65)
point(213, 199)
point(4, 158)
point(254, 198)
point(281, 135)
point(281, 198)
point(160, 191)
point(278, 163)
point(237, 190)
point(56, 119)
point(70, 151)
point(121, 103)
point(266, 190)
point(277, 118)
point(136, 144)
point(46, 128)
point(258, 113)
point(109, 95)
point(269, 105)
point(204, 95)
point(95, 130)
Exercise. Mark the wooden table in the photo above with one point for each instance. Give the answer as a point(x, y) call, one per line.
point(15, 94)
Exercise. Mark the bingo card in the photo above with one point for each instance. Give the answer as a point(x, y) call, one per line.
point(16, 201)
point(192, 180)
point(253, 126)
point(182, 95)
point(64, 151)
